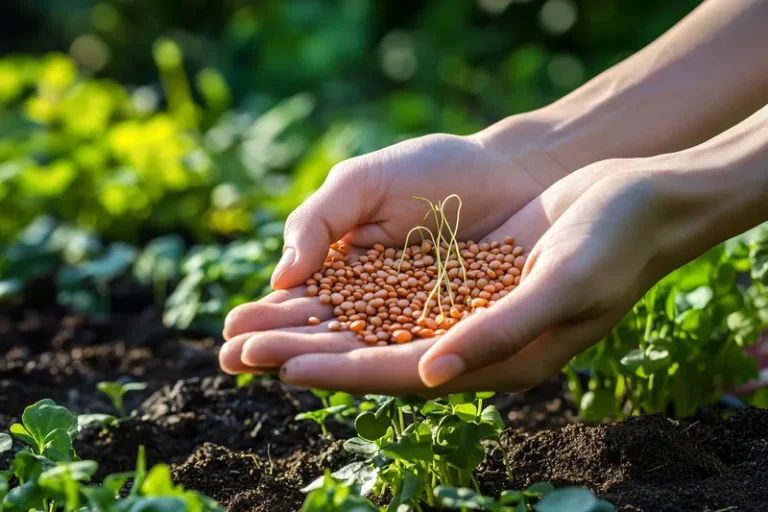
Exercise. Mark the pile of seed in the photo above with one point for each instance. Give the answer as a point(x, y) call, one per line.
point(385, 296)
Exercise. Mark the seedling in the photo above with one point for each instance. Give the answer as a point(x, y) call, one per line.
point(443, 246)
point(441, 444)
point(117, 390)
point(539, 497)
point(336, 405)
point(47, 475)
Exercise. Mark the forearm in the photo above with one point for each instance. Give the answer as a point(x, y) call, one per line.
point(701, 77)
point(716, 190)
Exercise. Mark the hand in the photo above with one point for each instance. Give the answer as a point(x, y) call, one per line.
point(598, 235)
point(368, 200)
point(601, 247)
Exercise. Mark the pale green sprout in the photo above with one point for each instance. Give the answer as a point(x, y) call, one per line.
point(439, 242)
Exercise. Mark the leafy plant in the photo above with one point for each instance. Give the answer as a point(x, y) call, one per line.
point(117, 390)
point(336, 496)
point(441, 443)
point(218, 278)
point(683, 345)
point(539, 497)
point(47, 475)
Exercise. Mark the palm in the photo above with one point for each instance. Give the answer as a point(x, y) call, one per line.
point(379, 208)
point(435, 167)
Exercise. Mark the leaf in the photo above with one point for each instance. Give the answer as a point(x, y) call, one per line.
point(466, 412)
point(597, 404)
point(58, 446)
point(463, 498)
point(4, 486)
point(469, 453)
point(567, 499)
point(491, 416)
point(371, 427)
point(357, 445)
point(27, 465)
point(56, 478)
point(362, 472)
point(47, 424)
point(700, 297)
point(409, 449)
point(101, 420)
point(409, 490)
point(633, 360)
point(344, 399)
point(539, 489)
point(6, 443)
point(27, 496)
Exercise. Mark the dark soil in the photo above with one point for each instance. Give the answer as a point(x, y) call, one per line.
point(242, 446)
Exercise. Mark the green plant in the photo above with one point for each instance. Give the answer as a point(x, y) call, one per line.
point(683, 345)
point(410, 445)
point(539, 497)
point(47, 475)
point(337, 405)
point(336, 496)
point(159, 264)
point(218, 278)
point(117, 390)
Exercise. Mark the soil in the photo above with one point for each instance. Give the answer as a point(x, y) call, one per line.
point(242, 446)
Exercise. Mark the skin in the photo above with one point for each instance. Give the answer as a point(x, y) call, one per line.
point(603, 229)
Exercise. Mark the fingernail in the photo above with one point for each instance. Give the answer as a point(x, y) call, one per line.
point(441, 370)
point(286, 260)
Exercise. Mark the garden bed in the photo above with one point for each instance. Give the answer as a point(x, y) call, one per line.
point(243, 447)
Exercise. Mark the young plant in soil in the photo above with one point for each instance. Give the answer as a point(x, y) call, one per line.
point(409, 446)
point(46, 475)
point(539, 497)
point(116, 392)
point(683, 345)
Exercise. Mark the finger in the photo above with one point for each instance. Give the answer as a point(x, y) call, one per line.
point(540, 303)
point(393, 370)
point(273, 348)
point(390, 370)
point(229, 358)
point(337, 207)
point(264, 315)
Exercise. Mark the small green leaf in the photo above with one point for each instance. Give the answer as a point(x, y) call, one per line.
point(357, 445)
point(409, 449)
point(539, 489)
point(100, 420)
point(570, 499)
point(371, 427)
point(463, 498)
point(56, 478)
point(6, 443)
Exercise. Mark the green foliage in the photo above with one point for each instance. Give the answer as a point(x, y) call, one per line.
point(336, 496)
point(117, 390)
point(49, 476)
point(408, 445)
point(539, 497)
point(682, 346)
point(218, 278)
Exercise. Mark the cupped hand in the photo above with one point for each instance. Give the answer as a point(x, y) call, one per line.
point(598, 241)
point(369, 200)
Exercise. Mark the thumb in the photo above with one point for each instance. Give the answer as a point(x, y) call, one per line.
point(538, 305)
point(330, 213)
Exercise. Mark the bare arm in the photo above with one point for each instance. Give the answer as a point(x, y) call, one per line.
point(703, 76)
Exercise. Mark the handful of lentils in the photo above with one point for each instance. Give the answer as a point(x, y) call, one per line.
point(388, 295)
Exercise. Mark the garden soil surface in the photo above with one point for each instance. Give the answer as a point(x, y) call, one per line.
point(242, 446)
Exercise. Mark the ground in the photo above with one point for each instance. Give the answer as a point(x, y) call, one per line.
point(242, 446)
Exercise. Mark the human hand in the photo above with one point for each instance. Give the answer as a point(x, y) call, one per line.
point(368, 200)
point(582, 224)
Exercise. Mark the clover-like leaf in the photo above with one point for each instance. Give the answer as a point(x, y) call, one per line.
point(370, 426)
point(6, 443)
point(360, 446)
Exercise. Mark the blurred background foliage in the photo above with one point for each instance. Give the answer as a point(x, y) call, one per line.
point(162, 142)
point(136, 118)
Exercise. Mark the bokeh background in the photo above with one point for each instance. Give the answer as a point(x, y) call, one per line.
point(162, 142)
